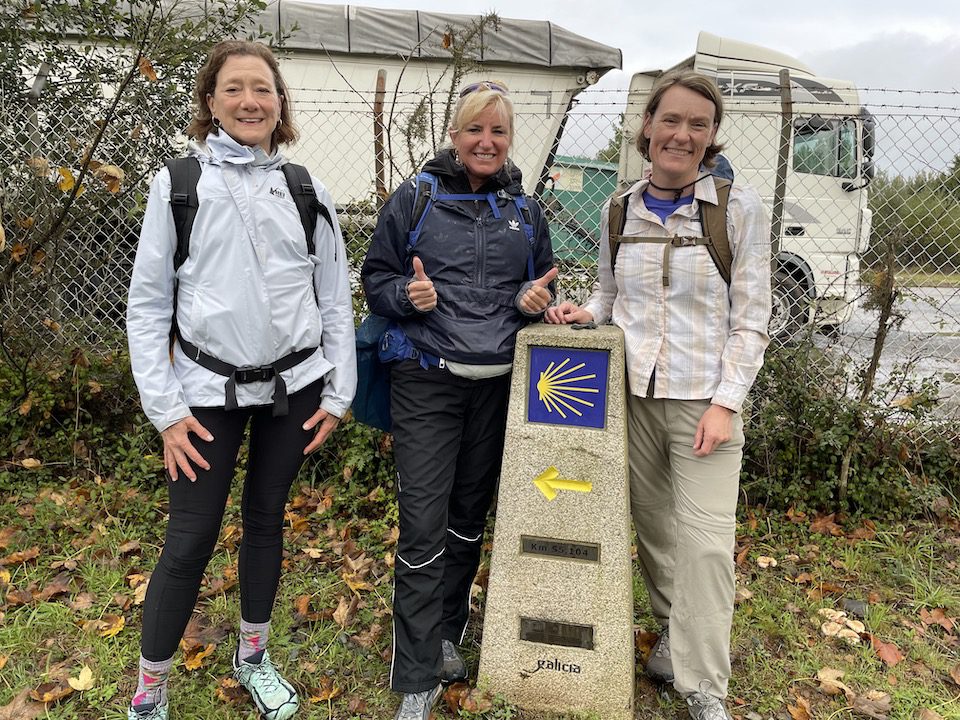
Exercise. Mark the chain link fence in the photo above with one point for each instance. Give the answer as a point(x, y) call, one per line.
point(836, 222)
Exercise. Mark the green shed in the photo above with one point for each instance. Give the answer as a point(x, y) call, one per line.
point(575, 191)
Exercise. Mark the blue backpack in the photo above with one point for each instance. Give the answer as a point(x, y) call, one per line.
point(381, 341)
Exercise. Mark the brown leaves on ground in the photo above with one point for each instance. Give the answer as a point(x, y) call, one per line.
point(889, 653)
point(231, 692)
point(801, 709)
point(325, 691)
point(22, 707)
point(461, 696)
point(346, 611)
point(937, 616)
point(826, 525)
point(875, 704)
point(18, 558)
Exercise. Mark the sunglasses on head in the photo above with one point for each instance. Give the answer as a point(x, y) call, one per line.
point(483, 85)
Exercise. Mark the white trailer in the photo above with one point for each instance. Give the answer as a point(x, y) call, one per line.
point(332, 62)
point(821, 220)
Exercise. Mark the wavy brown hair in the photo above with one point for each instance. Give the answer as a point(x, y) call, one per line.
point(700, 84)
point(202, 123)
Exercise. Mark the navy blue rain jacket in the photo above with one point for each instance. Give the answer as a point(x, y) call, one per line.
point(478, 265)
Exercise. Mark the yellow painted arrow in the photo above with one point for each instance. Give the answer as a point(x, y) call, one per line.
point(549, 481)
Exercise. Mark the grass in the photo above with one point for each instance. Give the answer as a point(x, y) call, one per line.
point(331, 634)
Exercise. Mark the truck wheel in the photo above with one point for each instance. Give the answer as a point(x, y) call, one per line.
point(790, 307)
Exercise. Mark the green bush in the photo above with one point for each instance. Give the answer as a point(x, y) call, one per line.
point(799, 431)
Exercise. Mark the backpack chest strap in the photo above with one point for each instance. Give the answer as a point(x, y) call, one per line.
point(675, 241)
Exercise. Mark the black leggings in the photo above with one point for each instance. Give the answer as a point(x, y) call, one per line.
point(196, 512)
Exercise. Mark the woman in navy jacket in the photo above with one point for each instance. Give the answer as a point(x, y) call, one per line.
point(476, 269)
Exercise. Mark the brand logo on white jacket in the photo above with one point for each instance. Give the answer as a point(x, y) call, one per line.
point(278, 192)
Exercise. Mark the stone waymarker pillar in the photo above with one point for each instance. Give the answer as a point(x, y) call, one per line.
point(558, 625)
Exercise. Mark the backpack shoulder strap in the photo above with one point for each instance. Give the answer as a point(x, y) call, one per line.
point(616, 221)
point(426, 193)
point(308, 205)
point(184, 176)
point(713, 221)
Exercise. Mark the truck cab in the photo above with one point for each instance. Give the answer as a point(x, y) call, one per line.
point(821, 222)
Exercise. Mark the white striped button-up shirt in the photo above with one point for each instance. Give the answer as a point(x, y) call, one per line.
point(698, 338)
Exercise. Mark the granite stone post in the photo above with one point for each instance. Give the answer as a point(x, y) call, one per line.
point(558, 625)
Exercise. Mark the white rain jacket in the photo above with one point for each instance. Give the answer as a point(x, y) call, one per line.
point(246, 291)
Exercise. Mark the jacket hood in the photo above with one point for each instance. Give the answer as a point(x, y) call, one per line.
point(453, 175)
point(219, 148)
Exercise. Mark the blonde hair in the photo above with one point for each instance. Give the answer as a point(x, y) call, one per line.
point(475, 102)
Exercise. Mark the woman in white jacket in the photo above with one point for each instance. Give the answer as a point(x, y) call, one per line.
point(263, 336)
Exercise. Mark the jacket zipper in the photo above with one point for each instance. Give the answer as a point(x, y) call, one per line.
point(481, 254)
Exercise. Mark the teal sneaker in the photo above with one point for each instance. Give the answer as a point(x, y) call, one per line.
point(274, 697)
point(152, 712)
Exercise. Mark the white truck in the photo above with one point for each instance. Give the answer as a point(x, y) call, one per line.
point(821, 222)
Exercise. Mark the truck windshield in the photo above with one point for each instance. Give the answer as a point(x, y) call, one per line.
point(825, 147)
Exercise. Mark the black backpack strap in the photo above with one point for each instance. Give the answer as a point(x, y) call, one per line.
point(308, 205)
point(184, 176)
point(713, 222)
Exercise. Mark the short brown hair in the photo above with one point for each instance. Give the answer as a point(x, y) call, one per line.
point(202, 123)
point(700, 84)
point(475, 101)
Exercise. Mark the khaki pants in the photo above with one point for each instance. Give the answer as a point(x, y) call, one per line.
point(684, 512)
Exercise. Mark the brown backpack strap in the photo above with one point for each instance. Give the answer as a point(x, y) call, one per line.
point(713, 221)
point(616, 221)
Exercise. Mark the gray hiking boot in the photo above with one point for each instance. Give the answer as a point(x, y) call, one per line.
point(453, 669)
point(417, 706)
point(703, 706)
point(659, 665)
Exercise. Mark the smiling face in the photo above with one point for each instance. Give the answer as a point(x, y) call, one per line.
point(245, 101)
point(679, 133)
point(482, 144)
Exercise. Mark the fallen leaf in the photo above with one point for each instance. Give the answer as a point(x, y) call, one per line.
point(60, 585)
point(367, 638)
point(84, 681)
point(937, 617)
point(31, 463)
point(6, 536)
point(18, 252)
point(346, 611)
point(22, 556)
point(928, 714)
point(830, 684)
point(955, 674)
point(454, 694)
point(131, 546)
point(888, 652)
point(326, 691)
point(193, 658)
point(17, 597)
point(825, 525)
point(231, 692)
point(800, 711)
point(21, 707)
point(742, 595)
point(356, 705)
point(50, 692)
point(477, 701)
point(113, 624)
point(355, 583)
point(3, 661)
point(873, 703)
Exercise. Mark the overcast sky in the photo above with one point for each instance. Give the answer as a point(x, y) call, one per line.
point(880, 43)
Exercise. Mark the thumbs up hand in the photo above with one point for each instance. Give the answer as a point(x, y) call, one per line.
point(420, 289)
point(537, 297)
